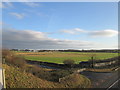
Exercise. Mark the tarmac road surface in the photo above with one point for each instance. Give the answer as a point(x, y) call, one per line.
point(103, 80)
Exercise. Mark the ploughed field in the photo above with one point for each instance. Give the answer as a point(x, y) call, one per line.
point(59, 57)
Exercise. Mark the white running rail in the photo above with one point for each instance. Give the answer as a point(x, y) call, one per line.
point(2, 78)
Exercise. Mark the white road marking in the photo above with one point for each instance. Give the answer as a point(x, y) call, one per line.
point(112, 84)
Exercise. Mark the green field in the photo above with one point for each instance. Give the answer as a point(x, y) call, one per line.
point(59, 57)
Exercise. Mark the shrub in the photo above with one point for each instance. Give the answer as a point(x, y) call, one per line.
point(39, 72)
point(69, 62)
point(6, 52)
point(12, 59)
point(48, 75)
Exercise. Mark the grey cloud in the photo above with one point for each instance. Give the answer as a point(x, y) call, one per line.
point(100, 33)
point(38, 40)
point(104, 33)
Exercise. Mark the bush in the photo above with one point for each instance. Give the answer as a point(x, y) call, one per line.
point(59, 74)
point(69, 62)
point(39, 72)
point(48, 75)
point(12, 59)
point(6, 52)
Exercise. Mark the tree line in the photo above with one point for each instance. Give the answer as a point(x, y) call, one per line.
point(70, 50)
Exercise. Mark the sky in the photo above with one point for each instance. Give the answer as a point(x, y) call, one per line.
point(60, 25)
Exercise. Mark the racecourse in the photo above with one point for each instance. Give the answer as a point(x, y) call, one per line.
point(59, 57)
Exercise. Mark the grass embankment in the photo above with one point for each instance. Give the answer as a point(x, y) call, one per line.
point(17, 78)
point(73, 80)
point(59, 57)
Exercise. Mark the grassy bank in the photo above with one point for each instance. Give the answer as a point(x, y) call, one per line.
point(16, 78)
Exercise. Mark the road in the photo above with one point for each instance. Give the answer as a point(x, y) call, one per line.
point(103, 80)
point(114, 85)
